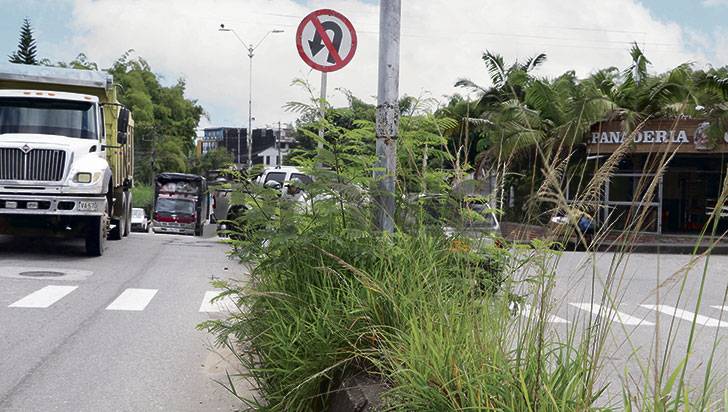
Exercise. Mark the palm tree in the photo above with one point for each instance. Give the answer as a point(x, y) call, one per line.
point(507, 82)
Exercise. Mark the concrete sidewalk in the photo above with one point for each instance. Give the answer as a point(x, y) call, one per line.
point(627, 242)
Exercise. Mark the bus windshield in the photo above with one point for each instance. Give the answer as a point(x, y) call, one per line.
point(48, 116)
point(176, 206)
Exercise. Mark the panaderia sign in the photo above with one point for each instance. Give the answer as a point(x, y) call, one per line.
point(681, 135)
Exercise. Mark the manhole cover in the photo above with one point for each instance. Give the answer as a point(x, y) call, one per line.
point(42, 274)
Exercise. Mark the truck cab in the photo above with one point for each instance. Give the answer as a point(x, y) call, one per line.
point(52, 143)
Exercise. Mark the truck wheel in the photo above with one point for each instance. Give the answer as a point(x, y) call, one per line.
point(127, 227)
point(95, 236)
point(199, 230)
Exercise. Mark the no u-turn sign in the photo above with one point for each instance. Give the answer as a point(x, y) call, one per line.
point(326, 40)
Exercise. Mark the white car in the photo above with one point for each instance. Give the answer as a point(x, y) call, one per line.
point(139, 220)
point(282, 175)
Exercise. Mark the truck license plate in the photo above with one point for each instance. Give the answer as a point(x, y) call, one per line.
point(87, 206)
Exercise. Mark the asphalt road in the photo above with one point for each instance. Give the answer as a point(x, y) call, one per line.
point(115, 333)
point(651, 311)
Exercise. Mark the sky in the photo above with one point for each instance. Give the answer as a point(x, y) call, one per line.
point(442, 41)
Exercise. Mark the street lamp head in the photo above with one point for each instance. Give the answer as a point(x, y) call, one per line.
point(222, 28)
point(277, 31)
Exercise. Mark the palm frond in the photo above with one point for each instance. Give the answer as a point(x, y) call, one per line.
point(496, 68)
point(717, 84)
point(533, 62)
point(298, 107)
point(639, 63)
point(469, 84)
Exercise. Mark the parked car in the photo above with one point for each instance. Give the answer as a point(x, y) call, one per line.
point(139, 220)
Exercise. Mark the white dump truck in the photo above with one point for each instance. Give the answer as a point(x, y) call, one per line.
point(66, 155)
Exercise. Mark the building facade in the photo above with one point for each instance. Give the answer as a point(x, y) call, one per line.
point(266, 143)
point(670, 176)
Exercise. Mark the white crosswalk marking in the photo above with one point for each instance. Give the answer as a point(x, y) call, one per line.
point(43, 298)
point(619, 317)
point(551, 318)
point(688, 316)
point(225, 304)
point(133, 300)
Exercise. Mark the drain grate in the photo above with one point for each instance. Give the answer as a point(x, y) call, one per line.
point(42, 274)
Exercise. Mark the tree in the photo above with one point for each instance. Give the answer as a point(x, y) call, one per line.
point(218, 158)
point(165, 120)
point(26, 53)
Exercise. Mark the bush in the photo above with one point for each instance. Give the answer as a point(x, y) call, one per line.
point(143, 197)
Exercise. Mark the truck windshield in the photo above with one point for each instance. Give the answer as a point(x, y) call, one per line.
point(177, 206)
point(48, 116)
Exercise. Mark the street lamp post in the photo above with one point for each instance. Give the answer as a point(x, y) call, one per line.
point(251, 49)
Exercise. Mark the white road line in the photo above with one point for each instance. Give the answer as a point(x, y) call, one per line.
point(551, 318)
point(619, 317)
point(43, 298)
point(225, 304)
point(688, 316)
point(133, 299)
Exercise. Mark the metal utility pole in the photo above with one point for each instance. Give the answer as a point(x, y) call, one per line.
point(238, 151)
point(387, 125)
point(251, 49)
point(249, 134)
point(279, 160)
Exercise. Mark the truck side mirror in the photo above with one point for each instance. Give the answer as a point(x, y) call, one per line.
point(123, 126)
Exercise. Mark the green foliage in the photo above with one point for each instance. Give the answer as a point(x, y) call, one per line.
point(143, 197)
point(422, 141)
point(81, 62)
point(219, 158)
point(26, 53)
point(523, 111)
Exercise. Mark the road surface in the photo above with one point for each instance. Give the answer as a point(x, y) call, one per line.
point(651, 312)
point(115, 333)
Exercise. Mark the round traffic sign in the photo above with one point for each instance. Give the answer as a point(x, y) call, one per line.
point(326, 40)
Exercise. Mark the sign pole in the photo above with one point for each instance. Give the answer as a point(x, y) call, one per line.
point(387, 121)
point(322, 109)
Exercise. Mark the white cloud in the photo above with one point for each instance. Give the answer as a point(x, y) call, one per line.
point(442, 40)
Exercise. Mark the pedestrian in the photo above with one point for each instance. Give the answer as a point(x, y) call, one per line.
point(586, 228)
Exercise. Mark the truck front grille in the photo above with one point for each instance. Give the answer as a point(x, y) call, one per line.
point(40, 165)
